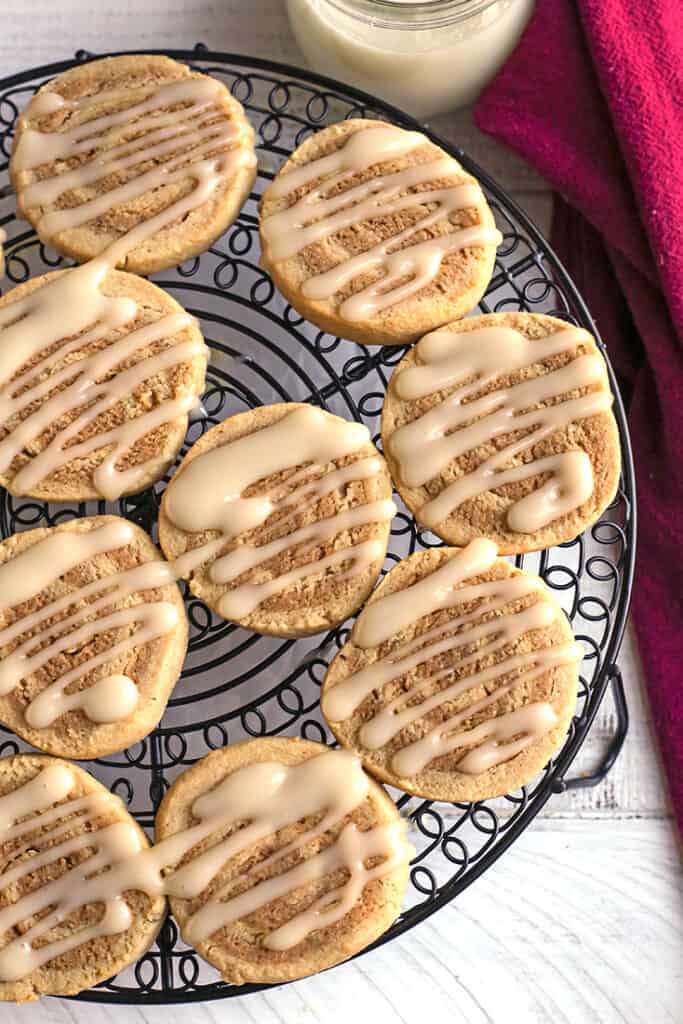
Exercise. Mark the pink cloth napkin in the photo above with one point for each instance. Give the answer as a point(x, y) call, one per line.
point(593, 99)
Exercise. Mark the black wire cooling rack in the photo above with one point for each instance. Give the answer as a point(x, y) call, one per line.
point(236, 684)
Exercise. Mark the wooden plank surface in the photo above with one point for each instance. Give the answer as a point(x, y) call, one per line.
point(578, 924)
point(581, 921)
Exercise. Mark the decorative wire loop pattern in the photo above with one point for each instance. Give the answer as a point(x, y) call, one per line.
point(235, 684)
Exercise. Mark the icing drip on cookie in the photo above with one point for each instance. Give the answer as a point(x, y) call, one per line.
point(305, 438)
point(178, 143)
point(71, 311)
point(78, 385)
point(38, 640)
point(263, 798)
point(405, 264)
point(478, 689)
point(270, 796)
point(466, 362)
point(117, 843)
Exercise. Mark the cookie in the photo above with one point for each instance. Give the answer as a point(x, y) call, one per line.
point(92, 636)
point(280, 519)
point(308, 859)
point(501, 426)
point(459, 679)
point(107, 146)
point(376, 234)
point(100, 371)
point(64, 929)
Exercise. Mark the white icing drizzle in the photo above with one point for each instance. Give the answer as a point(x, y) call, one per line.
point(468, 361)
point(495, 740)
point(59, 386)
point(110, 698)
point(263, 797)
point(72, 308)
point(405, 264)
point(181, 138)
point(209, 495)
point(3, 239)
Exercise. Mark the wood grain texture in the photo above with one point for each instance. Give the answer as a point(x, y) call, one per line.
point(581, 922)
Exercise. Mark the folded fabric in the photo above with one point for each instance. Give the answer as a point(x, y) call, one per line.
point(593, 99)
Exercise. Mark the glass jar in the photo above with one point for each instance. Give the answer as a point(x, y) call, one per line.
point(425, 57)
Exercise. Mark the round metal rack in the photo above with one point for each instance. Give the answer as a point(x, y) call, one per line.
point(236, 684)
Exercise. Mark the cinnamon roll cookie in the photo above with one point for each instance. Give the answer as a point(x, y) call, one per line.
point(501, 426)
point(287, 858)
point(376, 234)
point(459, 679)
point(100, 370)
point(280, 519)
point(109, 145)
point(92, 636)
point(72, 912)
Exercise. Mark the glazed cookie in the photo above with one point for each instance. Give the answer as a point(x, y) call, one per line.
point(376, 234)
point(99, 372)
point(63, 929)
point(108, 145)
point(309, 858)
point(459, 679)
point(92, 636)
point(501, 426)
point(280, 519)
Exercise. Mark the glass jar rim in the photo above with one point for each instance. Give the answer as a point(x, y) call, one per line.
point(396, 14)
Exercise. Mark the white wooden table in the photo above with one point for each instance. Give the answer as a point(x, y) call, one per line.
point(581, 922)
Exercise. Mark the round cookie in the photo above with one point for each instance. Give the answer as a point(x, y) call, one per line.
point(501, 426)
point(352, 247)
point(459, 679)
point(93, 634)
point(279, 790)
point(131, 381)
point(98, 957)
point(152, 118)
point(280, 519)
